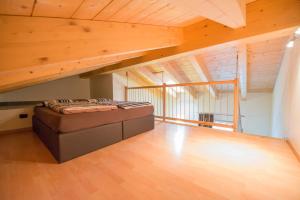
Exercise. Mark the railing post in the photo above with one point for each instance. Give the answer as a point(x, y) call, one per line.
point(126, 93)
point(236, 106)
point(164, 101)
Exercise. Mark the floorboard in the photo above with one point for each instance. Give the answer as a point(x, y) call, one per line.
point(170, 162)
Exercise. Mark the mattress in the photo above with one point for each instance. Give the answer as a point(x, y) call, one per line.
point(61, 123)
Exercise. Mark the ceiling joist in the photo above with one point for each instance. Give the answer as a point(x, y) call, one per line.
point(31, 45)
point(202, 72)
point(139, 78)
point(172, 69)
point(25, 77)
point(147, 73)
point(53, 44)
point(263, 20)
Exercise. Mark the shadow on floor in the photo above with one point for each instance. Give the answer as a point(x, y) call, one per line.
point(24, 147)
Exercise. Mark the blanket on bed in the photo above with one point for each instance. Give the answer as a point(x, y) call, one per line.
point(71, 106)
point(130, 105)
point(123, 104)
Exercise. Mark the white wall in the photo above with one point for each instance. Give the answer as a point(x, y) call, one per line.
point(9, 119)
point(102, 86)
point(286, 98)
point(119, 83)
point(257, 113)
point(72, 87)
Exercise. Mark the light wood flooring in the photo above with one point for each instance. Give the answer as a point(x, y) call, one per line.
point(170, 162)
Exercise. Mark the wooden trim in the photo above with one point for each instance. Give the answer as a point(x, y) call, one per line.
point(126, 93)
point(164, 102)
point(293, 149)
point(187, 84)
point(19, 130)
point(236, 106)
point(145, 87)
point(202, 83)
point(197, 122)
point(158, 120)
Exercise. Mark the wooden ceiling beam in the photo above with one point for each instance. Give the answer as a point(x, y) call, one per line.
point(263, 16)
point(40, 40)
point(203, 73)
point(39, 46)
point(112, 68)
point(264, 19)
point(171, 68)
point(32, 44)
point(147, 73)
point(139, 78)
point(20, 78)
point(242, 69)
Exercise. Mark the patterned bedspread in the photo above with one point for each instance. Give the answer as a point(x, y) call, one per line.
point(130, 105)
point(72, 106)
point(68, 106)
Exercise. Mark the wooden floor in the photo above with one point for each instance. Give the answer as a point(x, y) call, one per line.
point(170, 162)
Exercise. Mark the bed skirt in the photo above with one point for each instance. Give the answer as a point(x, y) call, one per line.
point(136, 126)
point(66, 146)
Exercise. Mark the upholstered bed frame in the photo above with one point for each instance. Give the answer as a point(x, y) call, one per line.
point(69, 145)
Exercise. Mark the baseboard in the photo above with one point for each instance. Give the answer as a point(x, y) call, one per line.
point(16, 130)
point(293, 150)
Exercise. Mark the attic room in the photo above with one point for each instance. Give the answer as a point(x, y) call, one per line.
point(150, 99)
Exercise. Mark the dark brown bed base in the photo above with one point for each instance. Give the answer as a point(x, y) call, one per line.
point(66, 146)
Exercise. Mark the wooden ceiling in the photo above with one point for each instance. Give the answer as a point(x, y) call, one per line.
point(155, 12)
point(221, 63)
point(263, 58)
point(263, 62)
point(42, 40)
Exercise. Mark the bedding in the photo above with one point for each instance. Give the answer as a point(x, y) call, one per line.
point(130, 105)
point(69, 106)
point(80, 108)
point(72, 106)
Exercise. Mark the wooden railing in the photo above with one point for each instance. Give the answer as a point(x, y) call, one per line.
point(204, 103)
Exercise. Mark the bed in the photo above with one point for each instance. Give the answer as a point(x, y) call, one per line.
point(73, 135)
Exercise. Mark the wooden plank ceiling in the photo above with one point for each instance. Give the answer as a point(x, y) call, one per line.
point(42, 40)
point(155, 12)
point(263, 62)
